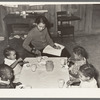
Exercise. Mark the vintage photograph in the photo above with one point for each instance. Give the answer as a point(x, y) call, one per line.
point(55, 46)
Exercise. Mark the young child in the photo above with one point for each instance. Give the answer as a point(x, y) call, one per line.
point(87, 79)
point(80, 55)
point(10, 60)
point(6, 76)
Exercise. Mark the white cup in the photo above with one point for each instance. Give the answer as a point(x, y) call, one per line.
point(33, 67)
point(39, 59)
point(61, 83)
point(63, 62)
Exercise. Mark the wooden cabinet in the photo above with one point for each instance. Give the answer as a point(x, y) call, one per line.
point(3, 13)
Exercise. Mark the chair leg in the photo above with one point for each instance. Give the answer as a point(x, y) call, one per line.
point(74, 38)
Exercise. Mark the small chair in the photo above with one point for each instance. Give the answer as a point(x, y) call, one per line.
point(63, 25)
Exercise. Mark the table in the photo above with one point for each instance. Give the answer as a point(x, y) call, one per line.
point(41, 78)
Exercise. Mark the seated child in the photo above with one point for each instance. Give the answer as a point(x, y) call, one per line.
point(80, 55)
point(10, 60)
point(86, 77)
point(6, 76)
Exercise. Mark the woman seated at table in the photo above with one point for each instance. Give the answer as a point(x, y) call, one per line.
point(38, 38)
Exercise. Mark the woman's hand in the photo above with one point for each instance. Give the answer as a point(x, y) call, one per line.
point(37, 52)
point(56, 47)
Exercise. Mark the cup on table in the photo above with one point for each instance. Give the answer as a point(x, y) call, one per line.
point(49, 65)
point(33, 67)
point(39, 59)
point(45, 57)
point(63, 62)
point(61, 83)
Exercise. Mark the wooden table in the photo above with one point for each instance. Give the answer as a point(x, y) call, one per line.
point(42, 78)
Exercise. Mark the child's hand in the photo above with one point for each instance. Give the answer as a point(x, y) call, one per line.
point(69, 83)
point(20, 59)
point(18, 83)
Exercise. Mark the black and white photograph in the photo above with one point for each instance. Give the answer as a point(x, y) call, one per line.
point(49, 45)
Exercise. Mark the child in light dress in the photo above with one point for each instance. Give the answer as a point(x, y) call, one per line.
point(86, 78)
point(10, 60)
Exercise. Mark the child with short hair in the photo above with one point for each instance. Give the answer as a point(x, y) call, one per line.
point(6, 76)
point(87, 79)
point(10, 60)
point(81, 56)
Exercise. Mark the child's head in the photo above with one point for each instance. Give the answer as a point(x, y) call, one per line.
point(6, 72)
point(41, 22)
point(10, 53)
point(87, 72)
point(80, 52)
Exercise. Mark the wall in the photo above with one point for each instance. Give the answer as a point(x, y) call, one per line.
point(90, 18)
point(82, 26)
point(3, 13)
point(50, 14)
point(89, 14)
point(96, 19)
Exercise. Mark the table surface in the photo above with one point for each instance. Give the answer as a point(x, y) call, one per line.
point(42, 78)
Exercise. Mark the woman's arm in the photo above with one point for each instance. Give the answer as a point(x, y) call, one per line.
point(49, 40)
point(27, 41)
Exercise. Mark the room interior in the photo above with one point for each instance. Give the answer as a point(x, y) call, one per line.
point(86, 29)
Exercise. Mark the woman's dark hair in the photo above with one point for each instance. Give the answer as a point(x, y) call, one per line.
point(80, 51)
point(7, 51)
point(42, 19)
point(88, 70)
